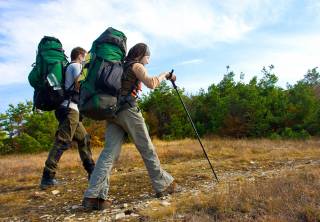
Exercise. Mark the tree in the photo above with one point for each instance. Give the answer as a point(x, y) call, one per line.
point(23, 129)
point(269, 79)
point(96, 130)
point(236, 109)
point(312, 78)
point(42, 127)
point(303, 108)
point(164, 114)
point(3, 136)
point(13, 119)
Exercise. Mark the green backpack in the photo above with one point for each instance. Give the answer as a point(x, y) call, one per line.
point(100, 89)
point(47, 75)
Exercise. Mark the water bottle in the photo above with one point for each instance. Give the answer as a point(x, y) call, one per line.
point(53, 82)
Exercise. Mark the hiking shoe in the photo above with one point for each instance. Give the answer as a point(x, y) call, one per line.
point(48, 182)
point(96, 203)
point(172, 188)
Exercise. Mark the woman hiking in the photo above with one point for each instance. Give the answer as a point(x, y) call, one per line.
point(129, 120)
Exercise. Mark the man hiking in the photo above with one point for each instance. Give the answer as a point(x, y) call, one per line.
point(70, 126)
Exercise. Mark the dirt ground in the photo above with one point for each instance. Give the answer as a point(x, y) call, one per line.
point(251, 172)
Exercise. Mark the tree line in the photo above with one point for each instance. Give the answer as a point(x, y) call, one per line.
point(257, 109)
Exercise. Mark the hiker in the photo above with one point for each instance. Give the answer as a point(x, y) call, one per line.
point(129, 120)
point(70, 126)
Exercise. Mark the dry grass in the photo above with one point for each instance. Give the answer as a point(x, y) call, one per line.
point(293, 196)
point(220, 152)
point(275, 197)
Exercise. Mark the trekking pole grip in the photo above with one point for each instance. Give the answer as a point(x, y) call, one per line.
point(170, 76)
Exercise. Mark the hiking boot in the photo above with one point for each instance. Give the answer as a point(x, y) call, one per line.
point(47, 179)
point(48, 182)
point(172, 188)
point(96, 203)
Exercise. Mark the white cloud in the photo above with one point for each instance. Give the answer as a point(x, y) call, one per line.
point(183, 23)
point(190, 62)
point(291, 55)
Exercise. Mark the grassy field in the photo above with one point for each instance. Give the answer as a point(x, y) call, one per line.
point(260, 180)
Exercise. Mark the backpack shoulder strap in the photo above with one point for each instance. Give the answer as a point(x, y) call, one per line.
point(64, 76)
point(127, 65)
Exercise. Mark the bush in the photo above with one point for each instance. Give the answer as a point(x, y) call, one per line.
point(275, 136)
point(288, 133)
point(42, 127)
point(5, 146)
point(304, 134)
point(26, 144)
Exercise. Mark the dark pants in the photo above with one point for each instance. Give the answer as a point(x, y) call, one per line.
point(70, 129)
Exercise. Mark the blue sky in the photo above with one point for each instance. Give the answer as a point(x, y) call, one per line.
point(196, 38)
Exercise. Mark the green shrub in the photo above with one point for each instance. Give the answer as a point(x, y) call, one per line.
point(26, 144)
point(5, 146)
point(303, 134)
point(275, 136)
point(288, 133)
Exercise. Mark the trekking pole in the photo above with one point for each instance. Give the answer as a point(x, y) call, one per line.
point(193, 126)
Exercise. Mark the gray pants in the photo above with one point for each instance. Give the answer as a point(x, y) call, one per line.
point(132, 122)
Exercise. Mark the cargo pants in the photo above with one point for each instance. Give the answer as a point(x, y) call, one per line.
point(70, 129)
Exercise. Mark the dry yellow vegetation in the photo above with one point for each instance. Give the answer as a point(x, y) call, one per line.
point(261, 180)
